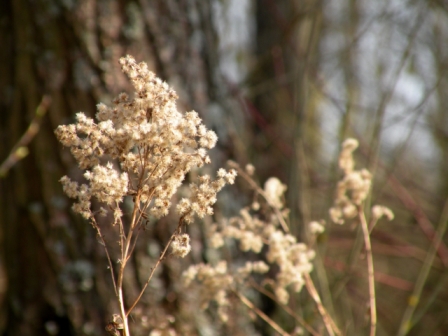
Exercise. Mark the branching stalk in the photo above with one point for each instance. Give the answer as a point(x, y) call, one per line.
point(162, 256)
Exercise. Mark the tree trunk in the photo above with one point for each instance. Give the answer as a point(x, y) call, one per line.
point(53, 276)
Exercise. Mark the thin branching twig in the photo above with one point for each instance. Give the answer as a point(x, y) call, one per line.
point(161, 258)
point(260, 191)
point(20, 150)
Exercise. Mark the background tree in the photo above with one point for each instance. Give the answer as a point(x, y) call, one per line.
point(69, 51)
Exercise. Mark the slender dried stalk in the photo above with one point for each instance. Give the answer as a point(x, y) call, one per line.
point(285, 308)
point(123, 313)
point(124, 259)
point(370, 270)
point(329, 323)
point(262, 315)
point(162, 256)
point(103, 242)
point(260, 191)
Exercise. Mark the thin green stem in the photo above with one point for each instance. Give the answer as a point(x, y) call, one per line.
point(406, 321)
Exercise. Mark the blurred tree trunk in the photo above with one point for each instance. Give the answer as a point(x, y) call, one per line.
point(54, 269)
point(288, 37)
point(287, 127)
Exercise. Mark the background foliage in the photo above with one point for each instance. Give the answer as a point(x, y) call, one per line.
point(282, 83)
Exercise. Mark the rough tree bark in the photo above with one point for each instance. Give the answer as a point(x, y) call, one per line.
point(69, 50)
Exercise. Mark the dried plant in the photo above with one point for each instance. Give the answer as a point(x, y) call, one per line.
point(284, 265)
point(351, 194)
point(141, 147)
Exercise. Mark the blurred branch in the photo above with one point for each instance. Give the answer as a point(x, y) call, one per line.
point(389, 93)
point(380, 277)
point(20, 150)
point(406, 322)
point(422, 220)
point(430, 301)
point(247, 105)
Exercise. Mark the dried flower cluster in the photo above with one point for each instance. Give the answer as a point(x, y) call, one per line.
point(181, 245)
point(316, 227)
point(354, 187)
point(217, 281)
point(141, 147)
point(378, 211)
point(292, 259)
point(155, 145)
point(274, 190)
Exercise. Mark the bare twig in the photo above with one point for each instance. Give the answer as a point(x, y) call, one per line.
point(20, 150)
point(255, 187)
point(262, 315)
point(329, 323)
point(103, 242)
point(285, 308)
point(162, 256)
point(424, 223)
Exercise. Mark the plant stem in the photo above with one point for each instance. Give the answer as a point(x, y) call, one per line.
point(370, 270)
point(103, 242)
point(162, 256)
point(123, 313)
point(260, 191)
point(329, 323)
point(124, 258)
point(285, 307)
point(262, 315)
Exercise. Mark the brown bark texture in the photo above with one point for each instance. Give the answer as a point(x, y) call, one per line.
point(53, 271)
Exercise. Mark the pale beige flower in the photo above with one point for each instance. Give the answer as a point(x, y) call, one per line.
point(181, 245)
point(316, 227)
point(250, 169)
point(154, 144)
point(354, 187)
point(379, 211)
point(274, 190)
